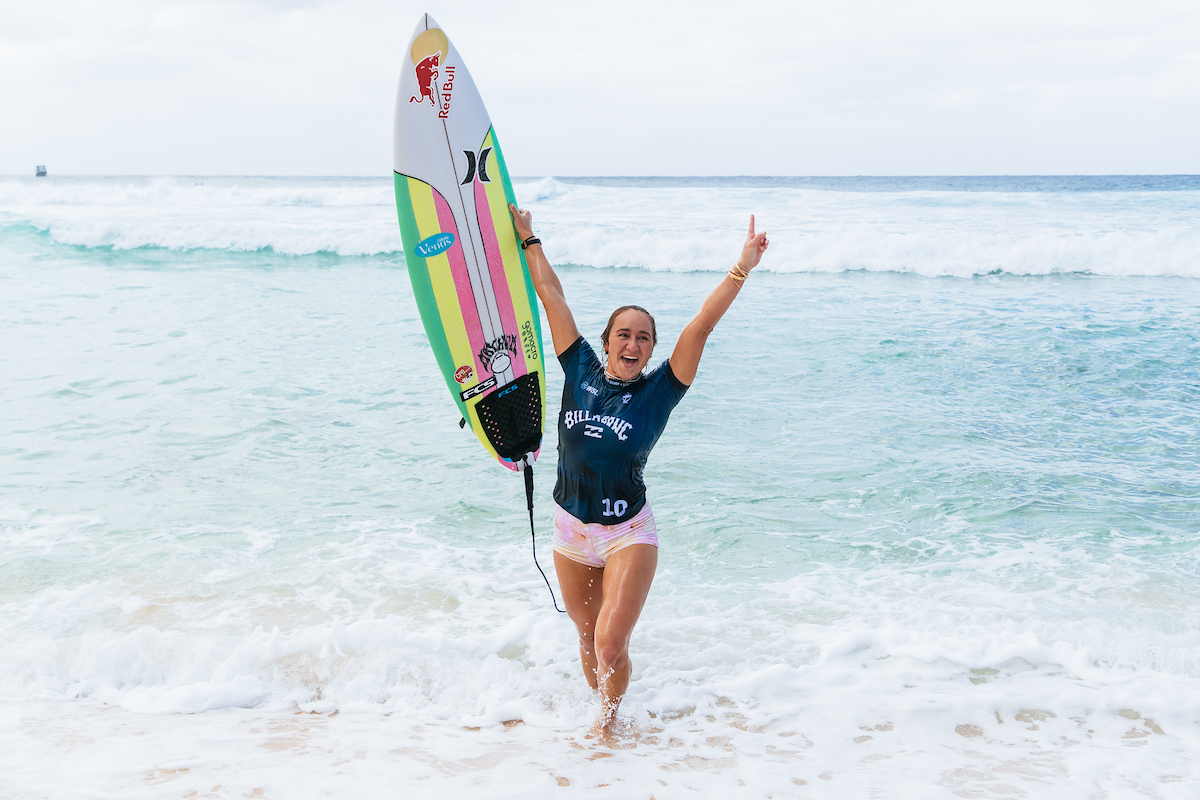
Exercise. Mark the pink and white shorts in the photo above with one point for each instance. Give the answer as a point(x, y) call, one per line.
point(591, 543)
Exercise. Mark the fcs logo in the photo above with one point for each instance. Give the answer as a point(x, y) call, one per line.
point(480, 166)
point(428, 53)
point(625, 398)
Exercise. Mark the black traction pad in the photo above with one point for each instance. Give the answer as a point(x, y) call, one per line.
point(512, 417)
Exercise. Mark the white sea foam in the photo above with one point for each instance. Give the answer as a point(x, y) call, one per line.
point(161, 651)
point(678, 228)
point(346, 217)
point(542, 189)
point(919, 232)
point(835, 687)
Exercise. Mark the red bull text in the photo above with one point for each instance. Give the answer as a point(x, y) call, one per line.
point(447, 90)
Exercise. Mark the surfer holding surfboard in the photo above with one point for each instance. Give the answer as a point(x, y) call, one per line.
point(475, 297)
point(605, 540)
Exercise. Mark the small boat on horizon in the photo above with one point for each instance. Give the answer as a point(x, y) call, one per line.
point(41, 172)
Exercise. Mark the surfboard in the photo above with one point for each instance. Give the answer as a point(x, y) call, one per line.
point(467, 268)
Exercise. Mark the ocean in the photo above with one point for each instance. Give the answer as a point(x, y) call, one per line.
point(929, 515)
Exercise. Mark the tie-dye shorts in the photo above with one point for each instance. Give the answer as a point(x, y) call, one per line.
point(592, 543)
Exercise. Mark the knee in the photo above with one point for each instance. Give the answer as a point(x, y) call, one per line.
point(586, 628)
point(610, 649)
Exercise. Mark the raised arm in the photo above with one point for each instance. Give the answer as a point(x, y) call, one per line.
point(686, 358)
point(563, 331)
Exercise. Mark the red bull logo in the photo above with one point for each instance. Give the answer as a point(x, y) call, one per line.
point(427, 73)
point(429, 52)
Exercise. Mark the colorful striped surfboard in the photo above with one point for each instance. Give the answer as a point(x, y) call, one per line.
point(467, 268)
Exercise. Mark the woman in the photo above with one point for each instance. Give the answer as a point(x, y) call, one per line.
point(605, 540)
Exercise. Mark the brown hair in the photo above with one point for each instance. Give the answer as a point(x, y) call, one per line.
point(622, 310)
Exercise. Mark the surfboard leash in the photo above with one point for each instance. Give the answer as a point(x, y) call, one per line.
point(528, 470)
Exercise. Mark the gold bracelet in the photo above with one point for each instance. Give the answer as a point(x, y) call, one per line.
point(738, 274)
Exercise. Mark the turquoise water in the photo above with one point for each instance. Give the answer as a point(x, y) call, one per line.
point(231, 479)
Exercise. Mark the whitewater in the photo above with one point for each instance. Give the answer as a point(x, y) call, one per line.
point(929, 515)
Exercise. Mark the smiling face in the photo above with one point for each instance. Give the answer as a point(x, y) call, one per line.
point(630, 343)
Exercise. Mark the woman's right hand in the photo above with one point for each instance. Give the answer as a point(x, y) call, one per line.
point(752, 251)
point(522, 221)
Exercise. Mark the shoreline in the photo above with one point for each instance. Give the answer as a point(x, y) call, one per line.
point(829, 750)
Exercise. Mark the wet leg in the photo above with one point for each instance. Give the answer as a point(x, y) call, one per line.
point(627, 578)
point(583, 592)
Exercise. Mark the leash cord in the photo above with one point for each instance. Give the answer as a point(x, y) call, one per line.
point(532, 536)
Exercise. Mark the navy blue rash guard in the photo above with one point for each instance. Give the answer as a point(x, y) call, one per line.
point(606, 431)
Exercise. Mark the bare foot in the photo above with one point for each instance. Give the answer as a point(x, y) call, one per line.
point(602, 727)
point(616, 733)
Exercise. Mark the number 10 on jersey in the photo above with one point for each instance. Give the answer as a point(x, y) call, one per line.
point(616, 509)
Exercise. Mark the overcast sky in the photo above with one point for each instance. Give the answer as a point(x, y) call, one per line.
point(836, 87)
